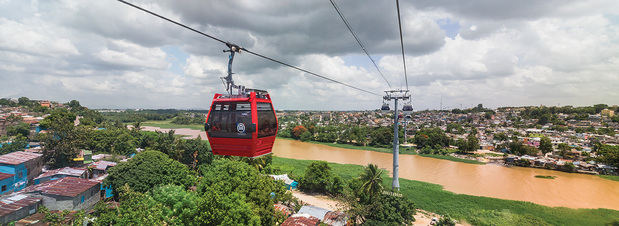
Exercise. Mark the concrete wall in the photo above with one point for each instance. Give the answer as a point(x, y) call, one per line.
point(34, 167)
point(56, 202)
point(19, 214)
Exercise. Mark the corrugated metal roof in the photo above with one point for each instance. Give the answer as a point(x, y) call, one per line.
point(12, 203)
point(68, 186)
point(76, 172)
point(5, 176)
point(18, 157)
point(103, 165)
point(314, 211)
point(301, 220)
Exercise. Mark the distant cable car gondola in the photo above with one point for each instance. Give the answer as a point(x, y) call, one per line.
point(407, 109)
point(242, 124)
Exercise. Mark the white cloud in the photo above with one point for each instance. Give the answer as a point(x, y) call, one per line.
point(124, 53)
point(106, 54)
point(32, 38)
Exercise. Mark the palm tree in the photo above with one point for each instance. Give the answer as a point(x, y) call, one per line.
point(137, 125)
point(372, 179)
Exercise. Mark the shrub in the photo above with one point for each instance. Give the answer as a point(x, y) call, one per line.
point(319, 178)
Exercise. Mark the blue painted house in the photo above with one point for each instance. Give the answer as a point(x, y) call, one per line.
point(24, 166)
point(6, 183)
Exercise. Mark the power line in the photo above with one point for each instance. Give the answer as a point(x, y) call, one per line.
point(358, 41)
point(309, 72)
point(251, 52)
point(397, 2)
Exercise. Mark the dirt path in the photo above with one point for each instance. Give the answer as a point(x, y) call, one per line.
point(316, 200)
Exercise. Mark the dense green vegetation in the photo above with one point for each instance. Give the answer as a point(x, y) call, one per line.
point(229, 192)
point(320, 178)
point(473, 209)
point(380, 137)
point(148, 170)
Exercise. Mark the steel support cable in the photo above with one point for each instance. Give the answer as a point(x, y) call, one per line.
point(251, 52)
point(397, 2)
point(354, 35)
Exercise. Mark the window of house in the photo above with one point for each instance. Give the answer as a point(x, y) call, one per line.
point(20, 174)
point(3, 188)
point(83, 199)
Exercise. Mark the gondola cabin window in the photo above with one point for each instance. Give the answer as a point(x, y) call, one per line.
point(230, 120)
point(267, 123)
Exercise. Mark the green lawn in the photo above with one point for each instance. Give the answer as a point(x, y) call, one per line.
point(451, 158)
point(167, 124)
point(545, 177)
point(610, 177)
point(473, 209)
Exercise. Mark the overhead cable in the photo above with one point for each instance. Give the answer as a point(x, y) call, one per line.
point(337, 9)
point(397, 2)
point(251, 52)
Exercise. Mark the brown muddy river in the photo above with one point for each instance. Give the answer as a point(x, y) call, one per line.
point(515, 183)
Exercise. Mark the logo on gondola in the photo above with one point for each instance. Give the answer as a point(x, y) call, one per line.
point(240, 127)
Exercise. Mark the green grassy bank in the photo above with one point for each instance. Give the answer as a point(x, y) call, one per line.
point(610, 177)
point(451, 158)
point(167, 124)
point(473, 209)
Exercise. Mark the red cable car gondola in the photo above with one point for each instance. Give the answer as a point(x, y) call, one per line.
point(242, 124)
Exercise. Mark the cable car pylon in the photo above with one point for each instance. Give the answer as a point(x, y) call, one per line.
point(396, 95)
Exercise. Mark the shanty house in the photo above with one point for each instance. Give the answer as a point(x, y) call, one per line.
point(17, 206)
point(24, 165)
point(99, 172)
point(61, 173)
point(67, 193)
point(100, 168)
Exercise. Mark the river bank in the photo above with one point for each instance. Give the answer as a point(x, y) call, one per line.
point(472, 209)
point(404, 150)
point(490, 180)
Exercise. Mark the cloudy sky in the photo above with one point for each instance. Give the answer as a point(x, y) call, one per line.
point(496, 52)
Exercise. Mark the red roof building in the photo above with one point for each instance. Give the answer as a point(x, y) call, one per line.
point(17, 206)
point(301, 220)
point(18, 157)
point(67, 193)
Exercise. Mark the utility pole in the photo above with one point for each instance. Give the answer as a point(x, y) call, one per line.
point(396, 95)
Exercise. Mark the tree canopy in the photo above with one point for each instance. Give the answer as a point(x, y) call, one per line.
point(319, 178)
point(231, 188)
point(147, 170)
